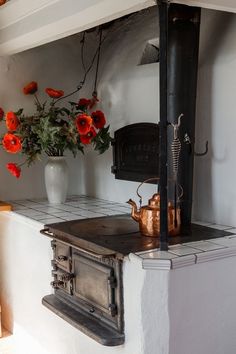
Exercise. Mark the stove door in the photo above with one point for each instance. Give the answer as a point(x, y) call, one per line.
point(94, 283)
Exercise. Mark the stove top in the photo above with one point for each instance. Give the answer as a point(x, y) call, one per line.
point(120, 234)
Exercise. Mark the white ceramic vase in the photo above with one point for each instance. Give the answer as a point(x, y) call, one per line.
point(56, 179)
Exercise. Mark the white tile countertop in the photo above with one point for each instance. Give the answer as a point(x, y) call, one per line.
point(76, 207)
point(186, 254)
point(83, 207)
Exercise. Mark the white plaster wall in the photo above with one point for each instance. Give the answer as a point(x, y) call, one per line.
point(202, 313)
point(130, 94)
point(215, 196)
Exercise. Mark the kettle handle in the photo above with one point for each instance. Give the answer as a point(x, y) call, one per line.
point(156, 179)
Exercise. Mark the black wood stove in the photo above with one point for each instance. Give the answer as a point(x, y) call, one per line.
point(87, 270)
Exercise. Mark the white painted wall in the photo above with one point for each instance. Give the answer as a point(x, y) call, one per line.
point(215, 196)
point(201, 308)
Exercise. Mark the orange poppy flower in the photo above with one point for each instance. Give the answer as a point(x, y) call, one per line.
point(14, 169)
point(99, 119)
point(12, 122)
point(11, 143)
point(87, 138)
point(30, 88)
point(54, 93)
point(83, 123)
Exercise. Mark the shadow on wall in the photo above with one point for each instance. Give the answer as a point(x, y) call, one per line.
point(215, 28)
point(129, 94)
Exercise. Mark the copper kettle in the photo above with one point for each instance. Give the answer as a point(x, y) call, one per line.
point(148, 216)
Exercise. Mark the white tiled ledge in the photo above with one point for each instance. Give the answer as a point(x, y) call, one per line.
point(187, 254)
point(76, 207)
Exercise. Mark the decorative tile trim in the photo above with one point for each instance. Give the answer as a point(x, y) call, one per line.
point(215, 255)
point(183, 261)
point(160, 264)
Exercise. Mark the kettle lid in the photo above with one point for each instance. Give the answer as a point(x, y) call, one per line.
point(154, 202)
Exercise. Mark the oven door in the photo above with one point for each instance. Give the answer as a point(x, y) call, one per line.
point(94, 284)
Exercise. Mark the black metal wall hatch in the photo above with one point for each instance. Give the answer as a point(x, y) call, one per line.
point(136, 151)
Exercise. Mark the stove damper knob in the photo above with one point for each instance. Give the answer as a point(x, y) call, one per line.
point(57, 284)
point(61, 258)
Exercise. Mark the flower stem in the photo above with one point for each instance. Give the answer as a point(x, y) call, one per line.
point(37, 100)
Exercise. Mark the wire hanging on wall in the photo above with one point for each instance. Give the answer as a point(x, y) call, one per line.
point(90, 66)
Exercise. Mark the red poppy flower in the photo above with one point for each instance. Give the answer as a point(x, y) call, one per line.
point(83, 123)
point(54, 93)
point(1, 113)
point(30, 88)
point(87, 138)
point(99, 119)
point(11, 143)
point(83, 103)
point(14, 169)
point(12, 122)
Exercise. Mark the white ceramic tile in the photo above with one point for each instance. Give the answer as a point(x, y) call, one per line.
point(87, 213)
point(29, 212)
point(72, 217)
point(51, 221)
point(45, 216)
point(110, 212)
point(66, 207)
point(158, 255)
point(75, 204)
point(233, 230)
point(62, 214)
point(180, 250)
point(48, 210)
point(97, 215)
point(203, 245)
point(122, 209)
point(18, 207)
point(29, 204)
point(220, 227)
point(202, 223)
point(39, 217)
point(224, 241)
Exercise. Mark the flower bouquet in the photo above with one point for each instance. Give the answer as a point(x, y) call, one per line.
point(52, 128)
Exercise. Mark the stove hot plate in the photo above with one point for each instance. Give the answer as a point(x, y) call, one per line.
point(119, 234)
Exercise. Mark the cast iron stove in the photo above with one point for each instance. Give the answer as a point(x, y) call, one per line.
point(87, 271)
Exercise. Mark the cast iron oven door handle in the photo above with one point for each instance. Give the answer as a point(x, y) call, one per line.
point(47, 233)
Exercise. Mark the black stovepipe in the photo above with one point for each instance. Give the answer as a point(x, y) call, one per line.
point(163, 23)
point(179, 44)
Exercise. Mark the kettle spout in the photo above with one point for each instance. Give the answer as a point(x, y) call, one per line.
point(134, 213)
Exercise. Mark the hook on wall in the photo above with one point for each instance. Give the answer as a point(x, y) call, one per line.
point(202, 153)
point(188, 142)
